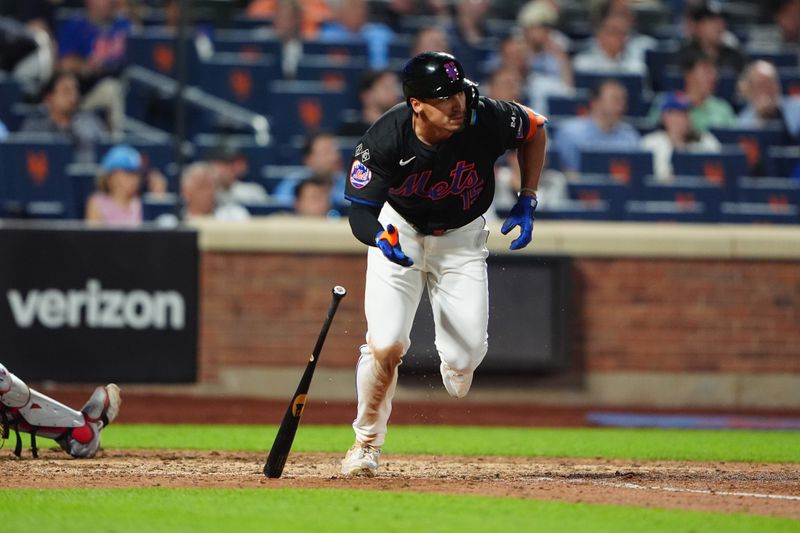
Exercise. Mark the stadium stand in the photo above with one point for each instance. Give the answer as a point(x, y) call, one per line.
point(236, 90)
point(724, 168)
point(35, 183)
point(10, 94)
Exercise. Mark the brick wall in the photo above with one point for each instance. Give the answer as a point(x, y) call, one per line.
point(656, 315)
point(687, 315)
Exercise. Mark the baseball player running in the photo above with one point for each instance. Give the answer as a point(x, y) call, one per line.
point(421, 179)
point(77, 432)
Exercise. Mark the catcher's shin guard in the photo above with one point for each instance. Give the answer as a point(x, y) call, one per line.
point(78, 432)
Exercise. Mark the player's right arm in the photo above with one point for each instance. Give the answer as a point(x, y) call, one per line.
point(367, 190)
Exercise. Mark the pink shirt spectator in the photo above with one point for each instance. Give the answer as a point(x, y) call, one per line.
point(114, 214)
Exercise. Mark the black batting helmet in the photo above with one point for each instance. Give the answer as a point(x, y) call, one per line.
point(435, 75)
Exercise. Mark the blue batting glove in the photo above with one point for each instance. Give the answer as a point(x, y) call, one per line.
point(389, 243)
point(521, 215)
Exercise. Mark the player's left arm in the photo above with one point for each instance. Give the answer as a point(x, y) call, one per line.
point(531, 155)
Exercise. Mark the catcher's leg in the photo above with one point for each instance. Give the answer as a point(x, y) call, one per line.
point(77, 432)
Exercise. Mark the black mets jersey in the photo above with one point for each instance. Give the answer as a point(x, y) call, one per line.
point(440, 187)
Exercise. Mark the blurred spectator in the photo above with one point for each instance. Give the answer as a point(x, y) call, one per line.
point(60, 115)
point(470, 22)
point(393, 12)
point(547, 67)
point(784, 32)
point(505, 83)
point(26, 51)
point(378, 91)
point(201, 34)
point(3, 131)
point(706, 30)
point(546, 52)
point(93, 46)
point(312, 13)
point(766, 106)
point(229, 169)
point(199, 192)
point(117, 201)
point(321, 159)
point(286, 24)
point(636, 43)
point(603, 127)
point(350, 23)
point(513, 53)
point(699, 82)
point(312, 197)
point(676, 133)
point(609, 52)
point(430, 39)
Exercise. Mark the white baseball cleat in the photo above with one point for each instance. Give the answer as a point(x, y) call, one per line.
point(457, 385)
point(361, 460)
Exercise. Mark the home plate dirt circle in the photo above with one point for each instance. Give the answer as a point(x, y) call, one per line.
point(763, 489)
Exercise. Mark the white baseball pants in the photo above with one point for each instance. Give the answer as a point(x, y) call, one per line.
point(453, 269)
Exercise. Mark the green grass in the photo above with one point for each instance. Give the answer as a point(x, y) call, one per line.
point(653, 444)
point(199, 510)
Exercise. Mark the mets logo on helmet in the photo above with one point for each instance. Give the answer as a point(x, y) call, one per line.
point(360, 175)
point(452, 70)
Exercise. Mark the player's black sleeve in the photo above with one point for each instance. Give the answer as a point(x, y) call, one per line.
point(364, 222)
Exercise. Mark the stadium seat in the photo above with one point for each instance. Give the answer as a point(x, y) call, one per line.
point(768, 190)
point(34, 180)
point(156, 49)
point(572, 210)
point(242, 81)
point(336, 51)
point(659, 61)
point(601, 189)
point(759, 213)
point(783, 161)
point(628, 167)
point(10, 93)
point(247, 44)
point(686, 190)
point(754, 142)
point(790, 80)
point(638, 95)
point(784, 58)
point(262, 209)
point(300, 107)
point(667, 211)
point(343, 75)
point(84, 183)
point(724, 168)
point(156, 205)
point(568, 106)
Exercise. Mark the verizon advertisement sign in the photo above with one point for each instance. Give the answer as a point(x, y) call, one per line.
point(99, 305)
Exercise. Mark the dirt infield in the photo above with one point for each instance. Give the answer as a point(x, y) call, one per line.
point(723, 487)
point(763, 489)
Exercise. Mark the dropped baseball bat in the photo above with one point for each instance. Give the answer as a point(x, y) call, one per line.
point(291, 419)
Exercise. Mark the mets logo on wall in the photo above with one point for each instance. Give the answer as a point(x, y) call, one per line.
point(359, 174)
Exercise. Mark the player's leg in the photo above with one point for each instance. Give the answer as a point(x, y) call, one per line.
point(77, 432)
point(391, 298)
point(459, 294)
